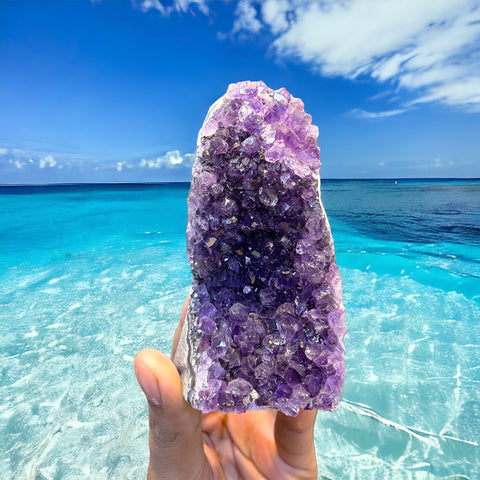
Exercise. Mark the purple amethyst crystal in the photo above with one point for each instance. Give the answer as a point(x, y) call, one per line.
point(266, 321)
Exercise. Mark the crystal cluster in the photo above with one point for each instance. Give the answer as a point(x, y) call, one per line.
point(266, 321)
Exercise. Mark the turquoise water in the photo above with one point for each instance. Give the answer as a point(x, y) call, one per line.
point(92, 274)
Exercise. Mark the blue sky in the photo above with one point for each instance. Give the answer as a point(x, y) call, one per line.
point(116, 91)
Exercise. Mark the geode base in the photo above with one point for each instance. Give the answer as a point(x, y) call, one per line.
point(265, 324)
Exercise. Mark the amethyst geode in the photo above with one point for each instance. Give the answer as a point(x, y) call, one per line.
point(266, 322)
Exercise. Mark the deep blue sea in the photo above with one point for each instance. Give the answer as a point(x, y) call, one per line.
point(92, 274)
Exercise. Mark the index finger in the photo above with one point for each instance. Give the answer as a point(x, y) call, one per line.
point(294, 439)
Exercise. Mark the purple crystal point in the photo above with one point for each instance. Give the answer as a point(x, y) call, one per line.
point(265, 324)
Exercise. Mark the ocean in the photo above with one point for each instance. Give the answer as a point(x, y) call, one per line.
point(91, 274)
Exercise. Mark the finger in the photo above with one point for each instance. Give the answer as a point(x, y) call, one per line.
point(176, 444)
point(178, 331)
point(294, 439)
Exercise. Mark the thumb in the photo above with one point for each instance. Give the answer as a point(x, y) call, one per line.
point(176, 443)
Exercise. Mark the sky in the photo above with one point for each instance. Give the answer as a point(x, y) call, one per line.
point(116, 91)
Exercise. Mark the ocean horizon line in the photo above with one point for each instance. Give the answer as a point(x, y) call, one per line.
point(60, 184)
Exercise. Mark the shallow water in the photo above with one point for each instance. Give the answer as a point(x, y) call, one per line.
point(90, 275)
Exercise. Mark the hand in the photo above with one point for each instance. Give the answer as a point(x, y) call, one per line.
point(186, 445)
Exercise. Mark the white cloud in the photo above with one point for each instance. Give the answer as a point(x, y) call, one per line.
point(200, 4)
point(170, 159)
point(178, 6)
point(430, 48)
point(18, 163)
point(461, 91)
point(389, 95)
point(360, 113)
point(47, 161)
point(274, 14)
point(20, 151)
point(3, 151)
point(188, 159)
point(436, 163)
point(23, 159)
point(153, 5)
point(246, 18)
point(151, 163)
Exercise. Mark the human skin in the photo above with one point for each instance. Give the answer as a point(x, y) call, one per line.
point(186, 444)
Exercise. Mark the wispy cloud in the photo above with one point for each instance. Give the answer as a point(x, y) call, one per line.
point(437, 163)
point(47, 161)
point(388, 95)
point(21, 161)
point(120, 166)
point(430, 49)
point(169, 160)
point(177, 6)
point(20, 164)
point(360, 113)
point(21, 158)
point(275, 15)
point(246, 18)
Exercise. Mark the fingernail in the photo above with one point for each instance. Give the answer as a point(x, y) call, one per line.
point(149, 384)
